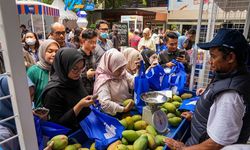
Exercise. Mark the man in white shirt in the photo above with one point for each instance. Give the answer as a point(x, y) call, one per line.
point(222, 115)
point(146, 42)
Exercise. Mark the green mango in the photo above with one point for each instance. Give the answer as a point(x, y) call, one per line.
point(60, 142)
point(151, 130)
point(164, 110)
point(121, 147)
point(136, 118)
point(70, 147)
point(130, 135)
point(186, 95)
point(175, 121)
point(140, 125)
point(127, 101)
point(141, 143)
point(176, 104)
point(140, 132)
point(159, 148)
point(159, 140)
point(171, 115)
point(170, 107)
point(130, 123)
point(177, 98)
point(124, 141)
point(151, 141)
point(124, 123)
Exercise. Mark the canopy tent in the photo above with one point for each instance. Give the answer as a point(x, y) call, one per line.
point(69, 15)
point(233, 5)
point(36, 8)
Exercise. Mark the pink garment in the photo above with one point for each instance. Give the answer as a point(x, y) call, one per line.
point(134, 41)
point(109, 63)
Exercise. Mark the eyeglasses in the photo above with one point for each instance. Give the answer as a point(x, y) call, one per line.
point(60, 32)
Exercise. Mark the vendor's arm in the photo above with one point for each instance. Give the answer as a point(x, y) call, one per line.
point(107, 104)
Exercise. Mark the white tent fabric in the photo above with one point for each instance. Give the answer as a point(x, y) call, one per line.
point(64, 14)
point(233, 5)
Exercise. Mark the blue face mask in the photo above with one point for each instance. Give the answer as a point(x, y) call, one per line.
point(104, 35)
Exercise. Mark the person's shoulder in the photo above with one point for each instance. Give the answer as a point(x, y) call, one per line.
point(34, 68)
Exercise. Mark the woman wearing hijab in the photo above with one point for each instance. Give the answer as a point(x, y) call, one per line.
point(150, 58)
point(133, 57)
point(113, 82)
point(65, 95)
point(39, 73)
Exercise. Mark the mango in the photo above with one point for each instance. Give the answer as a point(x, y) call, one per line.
point(136, 118)
point(124, 141)
point(141, 143)
point(177, 98)
point(130, 123)
point(140, 132)
point(92, 147)
point(121, 147)
point(60, 142)
point(130, 135)
point(171, 115)
point(70, 147)
point(124, 123)
point(83, 149)
point(114, 144)
point(178, 113)
point(130, 147)
point(159, 140)
point(170, 107)
point(151, 130)
point(140, 125)
point(78, 145)
point(127, 101)
point(175, 121)
point(159, 148)
point(176, 104)
point(186, 95)
point(151, 141)
point(164, 110)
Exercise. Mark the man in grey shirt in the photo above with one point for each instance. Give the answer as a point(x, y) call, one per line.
point(103, 43)
point(222, 115)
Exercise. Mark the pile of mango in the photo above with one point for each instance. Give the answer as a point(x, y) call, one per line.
point(138, 135)
point(171, 108)
point(61, 143)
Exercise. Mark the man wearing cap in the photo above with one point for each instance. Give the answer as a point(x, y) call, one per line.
point(222, 115)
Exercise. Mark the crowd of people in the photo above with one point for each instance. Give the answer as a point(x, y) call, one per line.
point(68, 67)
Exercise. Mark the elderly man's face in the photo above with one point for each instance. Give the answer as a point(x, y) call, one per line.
point(146, 35)
point(58, 34)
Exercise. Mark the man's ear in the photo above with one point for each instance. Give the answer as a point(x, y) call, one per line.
point(231, 57)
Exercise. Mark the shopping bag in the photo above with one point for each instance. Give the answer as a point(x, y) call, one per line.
point(175, 79)
point(189, 104)
point(102, 128)
point(141, 85)
point(155, 76)
point(47, 129)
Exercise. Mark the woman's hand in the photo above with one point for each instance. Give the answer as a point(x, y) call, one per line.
point(85, 102)
point(129, 106)
point(49, 147)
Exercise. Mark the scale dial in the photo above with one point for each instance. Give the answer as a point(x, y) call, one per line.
point(160, 121)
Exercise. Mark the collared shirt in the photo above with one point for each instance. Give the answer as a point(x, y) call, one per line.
point(101, 48)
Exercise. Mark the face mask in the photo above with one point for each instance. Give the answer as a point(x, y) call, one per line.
point(104, 35)
point(153, 60)
point(30, 42)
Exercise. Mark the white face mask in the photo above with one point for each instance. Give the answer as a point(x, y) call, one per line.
point(30, 41)
point(153, 59)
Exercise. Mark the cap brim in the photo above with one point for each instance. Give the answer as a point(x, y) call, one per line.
point(207, 46)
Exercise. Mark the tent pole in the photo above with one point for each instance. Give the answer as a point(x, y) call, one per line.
point(44, 35)
point(32, 23)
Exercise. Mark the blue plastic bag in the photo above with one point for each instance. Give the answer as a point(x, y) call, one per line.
point(102, 128)
point(175, 80)
point(141, 85)
point(189, 104)
point(155, 76)
point(47, 129)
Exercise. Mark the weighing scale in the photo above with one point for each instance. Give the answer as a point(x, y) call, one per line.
point(152, 113)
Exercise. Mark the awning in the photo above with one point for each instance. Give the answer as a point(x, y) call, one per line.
point(36, 8)
point(69, 15)
point(233, 5)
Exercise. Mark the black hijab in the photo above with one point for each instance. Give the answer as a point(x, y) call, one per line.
point(146, 53)
point(64, 61)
